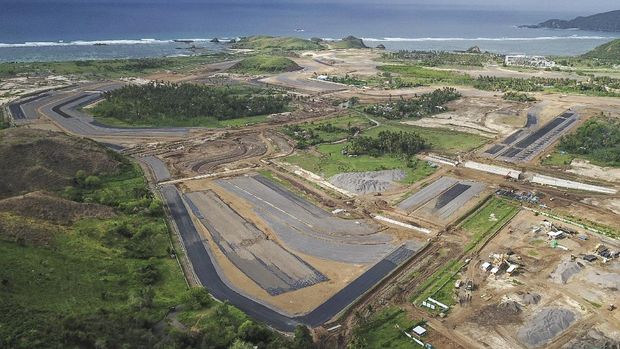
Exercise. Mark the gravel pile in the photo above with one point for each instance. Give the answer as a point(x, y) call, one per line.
point(564, 271)
point(367, 182)
point(530, 298)
point(544, 326)
point(592, 339)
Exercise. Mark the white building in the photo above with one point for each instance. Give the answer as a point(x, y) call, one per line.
point(529, 61)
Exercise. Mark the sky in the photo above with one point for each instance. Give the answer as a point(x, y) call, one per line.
point(587, 7)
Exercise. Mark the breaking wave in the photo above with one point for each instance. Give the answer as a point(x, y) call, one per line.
point(104, 42)
point(538, 38)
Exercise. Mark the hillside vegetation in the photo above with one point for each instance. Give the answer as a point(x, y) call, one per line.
point(607, 21)
point(263, 42)
point(348, 42)
point(89, 265)
point(109, 69)
point(265, 64)
point(608, 51)
point(39, 160)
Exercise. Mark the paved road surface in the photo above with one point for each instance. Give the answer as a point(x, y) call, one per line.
point(63, 108)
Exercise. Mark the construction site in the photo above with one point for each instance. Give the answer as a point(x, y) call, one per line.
point(487, 249)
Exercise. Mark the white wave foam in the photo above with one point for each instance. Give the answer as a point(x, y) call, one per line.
point(538, 38)
point(86, 43)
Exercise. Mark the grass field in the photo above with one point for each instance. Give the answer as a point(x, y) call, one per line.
point(340, 124)
point(557, 159)
point(442, 140)
point(488, 219)
point(271, 43)
point(263, 64)
point(417, 74)
point(328, 160)
point(331, 162)
point(381, 330)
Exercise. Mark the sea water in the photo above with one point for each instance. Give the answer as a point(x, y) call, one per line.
point(43, 30)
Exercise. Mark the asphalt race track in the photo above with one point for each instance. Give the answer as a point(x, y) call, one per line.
point(198, 253)
point(62, 107)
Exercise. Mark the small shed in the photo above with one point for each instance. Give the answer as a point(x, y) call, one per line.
point(512, 268)
point(485, 266)
point(589, 258)
point(419, 330)
point(556, 234)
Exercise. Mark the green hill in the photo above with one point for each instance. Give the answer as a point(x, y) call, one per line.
point(607, 21)
point(348, 42)
point(608, 51)
point(265, 64)
point(263, 42)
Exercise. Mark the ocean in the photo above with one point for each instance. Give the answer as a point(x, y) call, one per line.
point(49, 30)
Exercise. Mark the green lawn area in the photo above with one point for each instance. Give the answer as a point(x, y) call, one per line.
point(488, 219)
point(442, 140)
point(557, 159)
point(328, 160)
point(440, 285)
point(341, 123)
point(332, 162)
point(381, 331)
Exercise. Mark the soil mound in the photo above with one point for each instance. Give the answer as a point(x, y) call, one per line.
point(26, 231)
point(530, 298)
point(43, 160)
point(498, 314)
point(367, 182)
point(46, 207)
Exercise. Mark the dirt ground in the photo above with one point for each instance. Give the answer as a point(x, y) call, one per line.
point(505, 309)
point(488, 117)
point(587, 169)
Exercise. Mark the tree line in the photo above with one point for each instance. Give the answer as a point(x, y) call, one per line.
point(597, 139)
point(157, 100)
point(399, 143)
point(417, 107)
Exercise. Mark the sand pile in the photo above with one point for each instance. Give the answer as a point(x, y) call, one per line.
point(530, 298)
point(367, 182)
point(544, 326)
point(564, 271)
